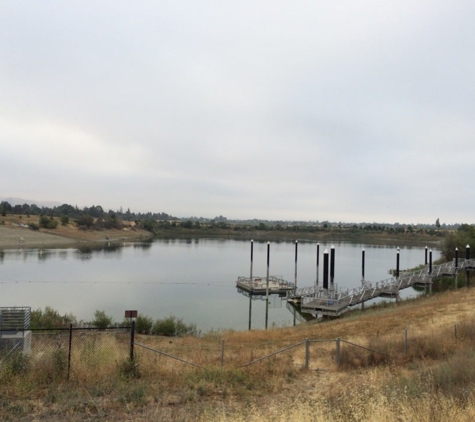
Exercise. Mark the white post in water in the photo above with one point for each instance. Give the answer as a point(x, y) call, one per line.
point(267, 284)
point(296, 253)
point(250, 286)
point(467, 257)
point(362, 265)
point(430, 271)
point(362, 272)
point(318, 262)
point(456, 266)
point(397, 263)
point(252, 258)
point(325, 270)
point(295, 281)
point(332, 267)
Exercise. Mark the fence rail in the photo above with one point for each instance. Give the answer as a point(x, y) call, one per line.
point(335, 353)
point(82, 353)
point(166, 354)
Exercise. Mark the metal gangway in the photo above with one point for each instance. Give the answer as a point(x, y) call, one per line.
point(316, 300)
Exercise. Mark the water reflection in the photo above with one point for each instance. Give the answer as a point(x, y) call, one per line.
point(143, 245)
point(88, 251)
point(274, 301)
point(44, 254)
point(193, 279)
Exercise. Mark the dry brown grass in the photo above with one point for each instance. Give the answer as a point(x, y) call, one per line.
point(433, 381)
point(10, 233)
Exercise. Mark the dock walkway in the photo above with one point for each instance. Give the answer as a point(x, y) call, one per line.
point(316, 300)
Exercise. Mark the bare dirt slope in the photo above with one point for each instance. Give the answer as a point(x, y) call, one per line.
point(14, 233)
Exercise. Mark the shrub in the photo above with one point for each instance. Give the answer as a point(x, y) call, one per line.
point(143, 324)
point(173, 326)
point(85, 220)
point(149, 225)
point(64, 220)
point(33, 226)
point(50, 318)
point(187, 224)
point(17, 363)
point(48, 222)
point(129, 369)
point(101, 320)
point(107, 223)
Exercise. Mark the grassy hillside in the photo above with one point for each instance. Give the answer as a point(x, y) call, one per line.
point(429, 377)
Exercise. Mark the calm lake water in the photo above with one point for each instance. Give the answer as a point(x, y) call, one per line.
point(193, 279)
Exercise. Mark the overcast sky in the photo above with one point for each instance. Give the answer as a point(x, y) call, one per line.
point(304, 110)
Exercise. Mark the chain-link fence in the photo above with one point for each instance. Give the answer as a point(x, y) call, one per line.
point(68, 353)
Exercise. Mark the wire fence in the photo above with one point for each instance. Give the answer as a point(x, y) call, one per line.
point(86, 354)
point(64, 353)
point(309, 354)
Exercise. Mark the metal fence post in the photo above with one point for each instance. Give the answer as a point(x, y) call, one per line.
point(222, 352)
point(307, 353)
point(405, 341)
point(338, 356)
point(132, 340)
point(70, 347)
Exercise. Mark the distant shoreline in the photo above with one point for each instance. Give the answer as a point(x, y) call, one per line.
point(328, 235)
point(14, 233)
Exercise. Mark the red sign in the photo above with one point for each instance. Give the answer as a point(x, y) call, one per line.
point(131, 314)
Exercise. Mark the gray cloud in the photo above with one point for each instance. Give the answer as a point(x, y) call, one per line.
point(312, 110)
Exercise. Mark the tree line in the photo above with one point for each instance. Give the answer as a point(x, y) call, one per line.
point(461, 238)
point(70, 211)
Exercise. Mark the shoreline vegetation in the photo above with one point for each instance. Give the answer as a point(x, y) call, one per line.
point(29, 226)
point(26, 231)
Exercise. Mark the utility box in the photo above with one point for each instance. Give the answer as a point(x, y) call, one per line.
point(14, 329)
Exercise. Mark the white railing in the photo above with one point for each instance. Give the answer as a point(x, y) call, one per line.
point(314, 297)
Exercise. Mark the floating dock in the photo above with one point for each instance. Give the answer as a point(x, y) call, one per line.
point(258, 285)
point(329, 302)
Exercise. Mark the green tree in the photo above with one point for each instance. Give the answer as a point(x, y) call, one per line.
point(6, 207)
point(172, 326)
point(187, 224)
point(85, 221)
point(148, 224)
point(50, 318)
point(261, 226)
point(143, 324)
point(48, 222)
point(102, 320)
point(464, 236)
